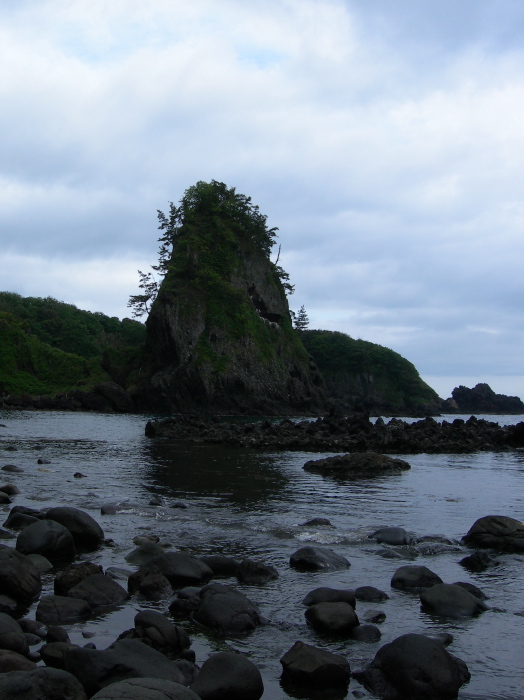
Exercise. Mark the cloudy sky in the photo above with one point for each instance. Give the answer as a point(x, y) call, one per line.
point(384, 139)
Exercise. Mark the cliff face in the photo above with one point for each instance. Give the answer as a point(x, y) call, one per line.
point(219, 335)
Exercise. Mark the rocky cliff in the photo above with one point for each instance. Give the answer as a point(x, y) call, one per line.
point(219, 334)
point(482, 399)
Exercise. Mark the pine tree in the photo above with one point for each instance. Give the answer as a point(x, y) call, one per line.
point(301, 319)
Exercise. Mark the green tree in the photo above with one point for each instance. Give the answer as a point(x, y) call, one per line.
point(301, 319)
point(141, 303)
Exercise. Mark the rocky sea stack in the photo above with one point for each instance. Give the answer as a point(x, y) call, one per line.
point(219, 335)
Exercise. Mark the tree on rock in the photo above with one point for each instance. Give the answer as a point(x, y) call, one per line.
point(301, 319)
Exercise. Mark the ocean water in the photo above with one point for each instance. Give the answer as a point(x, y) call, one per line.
point(254, 504)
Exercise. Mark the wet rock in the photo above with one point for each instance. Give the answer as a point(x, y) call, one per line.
point(330, 595)
point(43, 460)
point(8, 605)
point(99, 591)
point(317, 559)
point(226, 611)
point(86, 532)
point(126, 658)
point(255, 573)
point(388, 554)
point(12, 469)
point(12, 661)
point(474, 590)
point(333, 618)
point(366, 633)
point(48, 538)
point(6, 535)
point(221, 565)
point(357, 465)
point(57, 634)
point(53, 610)
point(42, 563)
point(150, 582)
point(182, 569)
point(392, 536)
point(496, 532)
point(145, 551)
point(4, 498)
point(73, 574)
point(54, 653)
point(317, 521)
point(11, 635)
point(145, 689)
point(158, 632)
point(18, 521)
point(306, 665)
point(478, 561)
point(413, 667)
point(414, 577)
point(19, 578)
point(227, 676)
point(451, 601)
point(376, 616)
point(370, 594)
point(40, 684)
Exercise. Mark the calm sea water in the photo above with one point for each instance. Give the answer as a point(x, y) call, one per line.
point(253, 504)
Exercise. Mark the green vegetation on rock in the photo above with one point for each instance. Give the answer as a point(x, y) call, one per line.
point(360, 372)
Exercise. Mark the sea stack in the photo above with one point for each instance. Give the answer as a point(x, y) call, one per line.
point(219, 335)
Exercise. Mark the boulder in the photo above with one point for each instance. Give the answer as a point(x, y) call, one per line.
point(357, 465)
point(73, 574)
point(48, 538)
point(391, 535)
point(4, 498)
point(370, 594)
point(414, 577)
point(474, 590)
point(478, 561)
point(19, 578)
point(126, 658)
point(182, 569)
point(145, 551)
point(221, 565)
point(318, 559)
point(54, 653)
point(413, 667)
point(40, 684)
point(451, 600)
point(330, 595)
point(366, 633)
point(99, 591)
point(255, 573)
point(334, 618)
point(11, 635)
point(158, 632)
point(42, 563)
point(59, 610)
point(10, 489)
point(87, 533)
point(145, 689)
point(228, 676)
point(12, 661)
point(226, 611)
point(496, 532)
point(149, 582)
point(307, 666)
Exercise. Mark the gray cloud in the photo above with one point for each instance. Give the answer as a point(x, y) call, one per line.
point(385, 140)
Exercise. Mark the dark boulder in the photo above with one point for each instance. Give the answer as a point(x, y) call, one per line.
point(478, 561)
point(451, 600)
point(158, 632)
point(19, 578)
point(126, 658)
point(255, 573)
point(143, 554)
point(366, 633)
point(474, 590)
point(116, 395)
point(40, 684)
point(145, 689)
point(150, 582)
point(228, 676)
point(333, 618)
point(221, 565)
point(99, 591)
point(307, 666)
point(317, 559)
point(226, 611)
point(73, 575)
point(54, 653)
point(414, 577)
point(87, 533)
point(330, 595)
point(13, 661)
point(392, 536)
point(357, 465)
point(59, 610)
point(11, 635)
point(48, 538)
point(370, 594)
point(182, 569)
point(496, 532)
point(414, 667)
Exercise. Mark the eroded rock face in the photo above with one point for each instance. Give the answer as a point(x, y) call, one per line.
point(496, 532)
point(413, 667)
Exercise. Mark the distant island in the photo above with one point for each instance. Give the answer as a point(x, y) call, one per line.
point(219, 337)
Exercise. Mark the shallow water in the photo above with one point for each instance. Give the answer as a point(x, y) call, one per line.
point(253, 504)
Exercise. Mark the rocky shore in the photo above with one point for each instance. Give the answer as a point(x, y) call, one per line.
point(355, 433)
point(154, 659)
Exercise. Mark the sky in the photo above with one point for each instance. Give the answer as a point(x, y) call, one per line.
point(384, 139)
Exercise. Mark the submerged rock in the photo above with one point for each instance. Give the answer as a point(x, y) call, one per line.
point(358, 464)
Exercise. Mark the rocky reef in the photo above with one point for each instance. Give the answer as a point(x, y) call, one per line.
point(482, 399)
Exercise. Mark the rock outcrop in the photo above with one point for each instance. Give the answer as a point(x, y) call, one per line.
point(482, 399)
point(219, 334)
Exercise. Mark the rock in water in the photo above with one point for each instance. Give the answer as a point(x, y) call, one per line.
point(219, 334)
point(359, 464)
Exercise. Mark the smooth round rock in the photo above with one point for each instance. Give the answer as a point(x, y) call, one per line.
point(227, 676)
